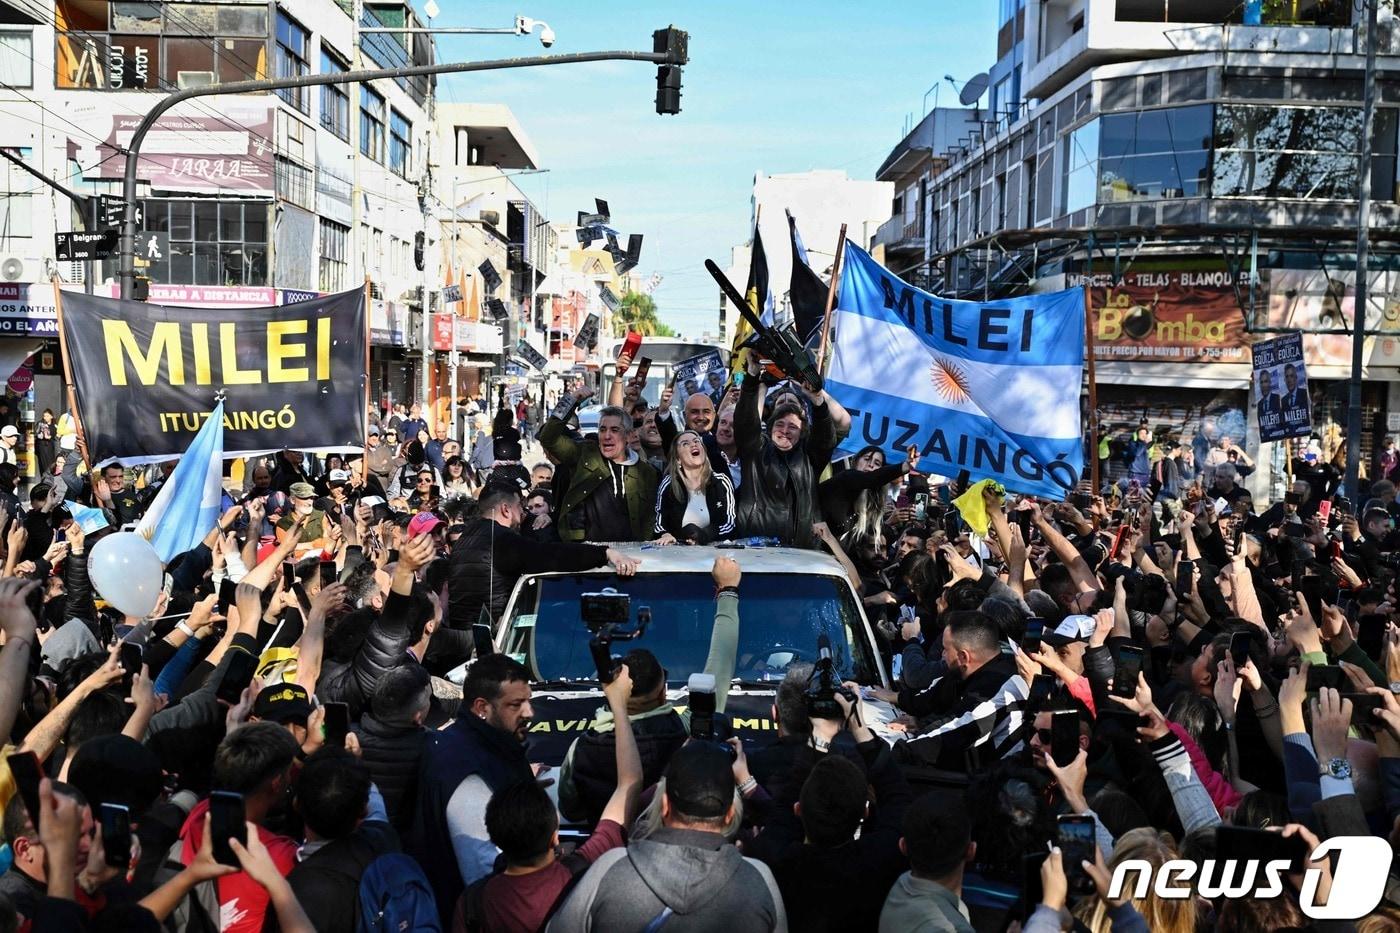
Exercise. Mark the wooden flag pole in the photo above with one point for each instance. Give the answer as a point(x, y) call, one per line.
point(70, 391)
point(831, 299)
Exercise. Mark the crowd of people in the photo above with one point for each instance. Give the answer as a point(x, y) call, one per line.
point(310, 733)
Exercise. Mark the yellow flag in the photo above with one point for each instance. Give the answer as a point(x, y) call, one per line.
point(973, 507)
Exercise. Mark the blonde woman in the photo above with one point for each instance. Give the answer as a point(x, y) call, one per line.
point(694, 504)
point(1162, 915)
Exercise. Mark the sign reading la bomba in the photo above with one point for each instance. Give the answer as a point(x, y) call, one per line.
point(146, 375)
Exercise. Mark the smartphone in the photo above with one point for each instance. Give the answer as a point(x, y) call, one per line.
point(1342, 504)
point(1292, 498)
point(1118, 537)
point(920, 506)
point(24, 767)
point(1042, 688)
point(227, 820)
point(1245, 844)
point(631, 345)
point(116, 835)
point(237, 676)
point(328, 573)
point(1081, 501)
point(1238, 541)
point(1075, 837)
point(1064, 736)
point(336, 723)
point(482, 642)
point(1295, 529)
point(1030, 642)
point(643, 367)
point(1239, 649)
point(1324, 510)
point(1370, 634)
point(701, 688)
point(1325, 675)
point(1363, 708)
point(1032, 892)
point(227, 591)
point(1127, 665)
point(1185, 574)
point(393, 555)
point(289, 575)
point(130, 655)
point(1318, 593)
point(1022, 517)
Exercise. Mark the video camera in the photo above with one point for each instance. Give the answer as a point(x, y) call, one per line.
point(781, 345)
point(824, 685)
point(605, 613)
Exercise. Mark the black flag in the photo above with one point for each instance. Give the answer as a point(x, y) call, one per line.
point(807, 292)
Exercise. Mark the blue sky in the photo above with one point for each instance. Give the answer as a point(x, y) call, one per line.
point(771, 87)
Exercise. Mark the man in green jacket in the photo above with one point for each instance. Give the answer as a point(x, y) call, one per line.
point(612, 492)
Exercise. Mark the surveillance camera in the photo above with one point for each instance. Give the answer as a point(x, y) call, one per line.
point(546, 37)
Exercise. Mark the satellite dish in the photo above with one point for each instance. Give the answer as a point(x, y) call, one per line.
point(975, 87)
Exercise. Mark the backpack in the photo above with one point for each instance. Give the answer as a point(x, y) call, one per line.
point(395, 897)
point(198, 911)
point(474, 897)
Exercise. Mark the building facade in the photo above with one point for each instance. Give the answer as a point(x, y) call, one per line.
point(1201, 177)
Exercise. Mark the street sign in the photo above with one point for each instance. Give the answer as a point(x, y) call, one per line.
point(451, 293)
point(113, 210)
point(152, 247)
point(83, 245)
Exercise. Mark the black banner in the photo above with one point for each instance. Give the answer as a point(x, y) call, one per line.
point(146, 375)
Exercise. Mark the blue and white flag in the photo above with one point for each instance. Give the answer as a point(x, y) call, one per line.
point(992, 388)
point(89, 519)
point(187, 506)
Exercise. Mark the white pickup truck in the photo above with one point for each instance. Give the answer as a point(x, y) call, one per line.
point(787, 598)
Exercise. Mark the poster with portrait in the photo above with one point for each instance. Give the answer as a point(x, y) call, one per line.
point(703, 374)
point(1281, 388)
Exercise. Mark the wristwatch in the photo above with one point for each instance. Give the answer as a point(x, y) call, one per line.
point(1338, 768)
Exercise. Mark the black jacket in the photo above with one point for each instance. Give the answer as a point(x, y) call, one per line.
point(778, 495)
point(384, 648)
point(391, 754)
point(719, 499)
point(489, 558)
point(594, 767)
point(327, 884)
point(838, 495)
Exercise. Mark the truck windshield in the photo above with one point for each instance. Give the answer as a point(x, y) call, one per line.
point(780, 617)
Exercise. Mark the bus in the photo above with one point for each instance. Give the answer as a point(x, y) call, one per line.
point(664, 353)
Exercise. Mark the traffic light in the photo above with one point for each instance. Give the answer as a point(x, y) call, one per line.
point(673, 42)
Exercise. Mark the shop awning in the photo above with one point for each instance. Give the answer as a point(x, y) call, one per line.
point(14, 352)
point(1182, 375)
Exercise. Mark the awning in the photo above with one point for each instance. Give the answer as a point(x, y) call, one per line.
point(14, 352)
point(1220, 376)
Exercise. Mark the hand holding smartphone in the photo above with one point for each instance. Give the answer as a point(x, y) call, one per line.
point(227, 820)
point(336, 724)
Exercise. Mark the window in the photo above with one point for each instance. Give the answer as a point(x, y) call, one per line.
point(290, 60)
point(1000, 190)
point(294, 182)
point(335, 99)
point(400, 144)
point(1152, 154)
point(1028, 172)
point(1287, 152)
point(334, 256)
point(371, 125)
point(211, 242)
point(17, 59)
point(16, 215)
point(1081, 160)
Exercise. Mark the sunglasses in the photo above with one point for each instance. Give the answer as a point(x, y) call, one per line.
point(1046, 736)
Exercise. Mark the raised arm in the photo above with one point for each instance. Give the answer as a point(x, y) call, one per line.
point(311, 645)
point(622, 805)
point(19, 626)
point(724, 636)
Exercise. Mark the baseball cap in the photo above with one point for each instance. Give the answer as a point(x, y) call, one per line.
point(1073, 628)
point(374, 429)
point(422, 523)
point(9, 430)
point(283, 703)
point(302, 491)
point(339, 476)
point(700, 780)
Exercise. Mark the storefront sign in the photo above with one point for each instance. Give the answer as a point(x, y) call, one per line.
point(386, 324)
point(442, 332)
point(27, 309)
point(1281, 388)
point(146, 375)
point(1168, 316)
point(291, 296)
point(231, 152)
point(212, 296)
point(21, 380)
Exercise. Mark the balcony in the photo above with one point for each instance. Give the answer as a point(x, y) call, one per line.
point(900, 238)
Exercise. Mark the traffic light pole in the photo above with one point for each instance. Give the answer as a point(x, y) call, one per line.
point(673, 56)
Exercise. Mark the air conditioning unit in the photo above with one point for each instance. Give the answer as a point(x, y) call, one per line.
point(184, 79)
point(22, 269)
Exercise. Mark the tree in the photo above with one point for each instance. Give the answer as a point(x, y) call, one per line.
point(636, 311)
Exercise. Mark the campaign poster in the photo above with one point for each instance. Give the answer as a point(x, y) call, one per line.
point(700, 374)
point(1281, 388)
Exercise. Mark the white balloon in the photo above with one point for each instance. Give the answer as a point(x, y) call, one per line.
point(126, 572)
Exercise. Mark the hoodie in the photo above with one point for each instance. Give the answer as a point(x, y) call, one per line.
point(697, 880)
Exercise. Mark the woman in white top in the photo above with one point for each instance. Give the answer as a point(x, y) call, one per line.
point(456, 480)
point(694, 504)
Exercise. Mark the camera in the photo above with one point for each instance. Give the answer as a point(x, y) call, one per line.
point(604, 613)
point(608, 607)
point(707, 725)
point(824, 685)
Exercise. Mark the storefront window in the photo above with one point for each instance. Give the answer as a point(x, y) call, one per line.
point(1287, 152)
point(1151, 154)
point(211, 242)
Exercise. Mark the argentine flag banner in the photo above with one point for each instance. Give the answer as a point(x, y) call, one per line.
point(988, 387)
point(187, 506)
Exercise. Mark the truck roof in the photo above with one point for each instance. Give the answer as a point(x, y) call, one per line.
point(688, 559)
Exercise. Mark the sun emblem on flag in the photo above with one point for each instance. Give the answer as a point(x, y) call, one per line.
point(949, 380)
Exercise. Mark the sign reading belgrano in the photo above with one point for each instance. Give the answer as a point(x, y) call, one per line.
point(146, 375)
point(988, 387)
